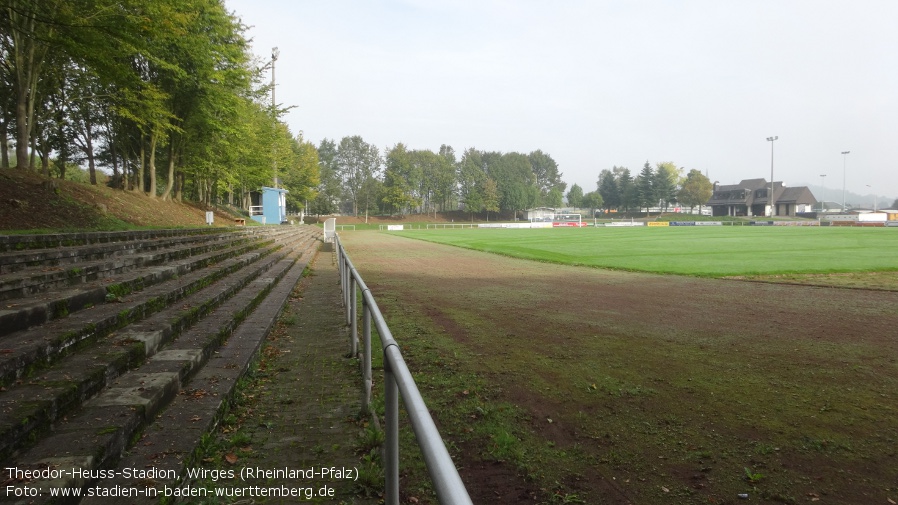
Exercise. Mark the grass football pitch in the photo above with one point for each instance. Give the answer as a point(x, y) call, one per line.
point(702, 251)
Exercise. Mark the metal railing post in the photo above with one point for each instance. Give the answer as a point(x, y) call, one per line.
point(346, 274)
point(353, 318)
point(391, 439)
point(366, 359)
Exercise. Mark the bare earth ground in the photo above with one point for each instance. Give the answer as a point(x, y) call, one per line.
point(796, 383)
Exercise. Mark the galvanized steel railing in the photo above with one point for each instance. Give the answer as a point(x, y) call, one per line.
point(398, 380)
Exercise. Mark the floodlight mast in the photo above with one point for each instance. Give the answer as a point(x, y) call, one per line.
point(772, 203)
point(844, 163)
point(274, 113)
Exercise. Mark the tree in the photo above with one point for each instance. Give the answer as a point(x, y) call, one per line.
point(546, 174)
point(85, 118)
point(398, 194)
point(328, 192)
point(696, 190)
point(646, 193)
point(575, 196)
point(608, 189)
point(667, 179)
point(490, 197)
point(894, 204)
point(471, 177)
point(593, 201)
point(301, 176)
point(626, 187)
point(207, 80)
point(446, 185)
point(554, 199)
point(426, 174)
point(358, 162)
point(515, 181)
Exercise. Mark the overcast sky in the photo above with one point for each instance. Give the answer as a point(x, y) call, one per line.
point(601, 83)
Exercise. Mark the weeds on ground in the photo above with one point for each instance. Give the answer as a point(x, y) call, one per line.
point(470, 415)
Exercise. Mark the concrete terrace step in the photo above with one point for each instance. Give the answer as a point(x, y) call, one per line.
point(95, 436)
point(66, 240)
point(25, 351)
point(177, 431)
point(17, 260)
point(113, 259)
point(40, 308)
point(33, 406)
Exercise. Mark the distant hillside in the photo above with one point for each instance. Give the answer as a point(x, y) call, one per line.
point(32, 202)
point(851, 199)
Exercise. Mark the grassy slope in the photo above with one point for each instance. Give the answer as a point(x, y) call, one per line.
point(703, 251)
point(29, 202)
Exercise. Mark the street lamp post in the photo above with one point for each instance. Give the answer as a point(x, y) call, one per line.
point(844, 164)
point(772, 202)
point(823, 183)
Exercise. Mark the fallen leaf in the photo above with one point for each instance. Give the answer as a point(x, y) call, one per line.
point(231, 458)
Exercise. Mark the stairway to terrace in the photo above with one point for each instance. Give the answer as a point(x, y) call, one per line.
point(100, 331)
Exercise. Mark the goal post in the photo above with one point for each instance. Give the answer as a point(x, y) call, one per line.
point(568, 219)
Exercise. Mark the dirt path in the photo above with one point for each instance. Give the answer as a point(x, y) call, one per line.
point(667, 384)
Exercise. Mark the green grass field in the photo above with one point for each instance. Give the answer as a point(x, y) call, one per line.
point(701, 251)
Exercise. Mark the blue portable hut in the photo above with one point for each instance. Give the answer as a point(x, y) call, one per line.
point(271, 206)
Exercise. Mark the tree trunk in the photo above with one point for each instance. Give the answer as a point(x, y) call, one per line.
point(45, 159)
point(21, 124)
point(117, 181)
point(89, 151)
point(180, 188)
point(176, 188)
point(4, 144)
point(91, 160)
point(61, 160)
point(28, 51)
point(170, 182)
point(33, 155)
point(154, 138)
point(138, 180)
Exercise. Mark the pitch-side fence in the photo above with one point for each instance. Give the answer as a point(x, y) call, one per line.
point(398, 380)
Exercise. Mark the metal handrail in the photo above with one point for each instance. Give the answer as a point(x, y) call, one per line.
point(447, 484)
